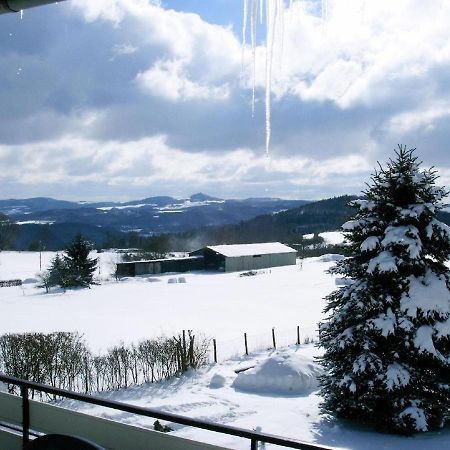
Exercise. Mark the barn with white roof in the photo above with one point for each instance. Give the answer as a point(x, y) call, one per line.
point(239, 257)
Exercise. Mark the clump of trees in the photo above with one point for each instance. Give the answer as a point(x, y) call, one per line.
point(387, 338)
point(74, 268)
point(9, 230)
point(63, 360)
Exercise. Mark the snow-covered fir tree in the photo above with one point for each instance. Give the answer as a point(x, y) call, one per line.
point(387, 334)
point(79, 268)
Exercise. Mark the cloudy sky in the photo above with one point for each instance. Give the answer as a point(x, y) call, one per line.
point(125, 99)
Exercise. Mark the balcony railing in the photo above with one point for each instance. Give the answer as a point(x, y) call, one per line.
point(30, 418)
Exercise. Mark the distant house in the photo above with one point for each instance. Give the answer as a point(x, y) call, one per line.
point(239, 257)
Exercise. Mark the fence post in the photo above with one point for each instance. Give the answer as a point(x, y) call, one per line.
point(25, 416)
point(273, 338)
point(246, 345)
point(215, 350)
point(298, 335)
point(254, 445)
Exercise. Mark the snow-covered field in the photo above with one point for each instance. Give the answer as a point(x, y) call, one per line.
point(222, 306)
point(329, 237)
point(277, 397)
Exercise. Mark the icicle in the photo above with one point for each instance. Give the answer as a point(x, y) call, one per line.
point(21, 14)
point(244, 30)
point(281, 19)
point(271, 19)
point(253, 25)
point(261, 11)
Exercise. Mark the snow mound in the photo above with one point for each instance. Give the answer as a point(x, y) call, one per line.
point(282, 373)
point(330, 257)
point(333, 237)
point(217, 381)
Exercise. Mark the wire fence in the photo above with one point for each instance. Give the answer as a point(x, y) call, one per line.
point(250, 343)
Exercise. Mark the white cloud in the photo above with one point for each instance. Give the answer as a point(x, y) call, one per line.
point(200, 61)
point(361, 52)
point(124, 49)
point(148, 162)
point(169, 80)
point(424, 118)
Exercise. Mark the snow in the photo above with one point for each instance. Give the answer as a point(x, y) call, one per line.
point(417, 415)
point(220, 305)
point(423, 341)
point(333, 237)
point(36, 222)
point(281, 373)
point(293, 414)
point(251, 249)
point(330, 257)
point(384, 262)
point(351, 225)
point(370, 243)
point(25, 265)
point(442, 227)
point(385, 323)
point(426, 295)
point(396, 376)
point(403, 235)
point(329, 237)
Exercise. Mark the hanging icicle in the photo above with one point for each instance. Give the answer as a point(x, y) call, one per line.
point(253, 26)
point(244, 31)
point(274, 11)
point(271, 20)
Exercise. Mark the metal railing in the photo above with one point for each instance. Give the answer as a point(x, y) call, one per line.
point(254, 436)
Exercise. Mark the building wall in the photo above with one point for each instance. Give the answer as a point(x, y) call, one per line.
point(212, 260)
point(132, 269)
point(254, 262)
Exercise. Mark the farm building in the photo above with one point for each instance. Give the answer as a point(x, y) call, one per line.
point(234, 258)
point(155, 266)
point(227, 258)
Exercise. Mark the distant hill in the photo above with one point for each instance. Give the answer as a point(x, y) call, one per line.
point(53, 221)
point(189, 224)
point(286, 226)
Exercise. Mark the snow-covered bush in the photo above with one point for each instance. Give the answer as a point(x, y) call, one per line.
point(387, 336)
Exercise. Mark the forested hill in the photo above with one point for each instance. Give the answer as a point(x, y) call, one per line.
point(286, 226)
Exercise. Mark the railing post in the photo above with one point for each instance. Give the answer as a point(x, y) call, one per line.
point(215, 350)
point(246, 344)
point(25, 415)
point(254, 445)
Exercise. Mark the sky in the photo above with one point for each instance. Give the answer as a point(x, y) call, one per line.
point(126, 99)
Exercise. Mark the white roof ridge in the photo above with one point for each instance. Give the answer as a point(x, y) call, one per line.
point(263, 248)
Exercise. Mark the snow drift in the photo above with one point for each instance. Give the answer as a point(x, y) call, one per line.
point(282, 373)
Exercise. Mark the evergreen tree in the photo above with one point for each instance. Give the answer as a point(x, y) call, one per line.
point(387, 334)
point(55, 275)
point(58, 272)
point(79, 267)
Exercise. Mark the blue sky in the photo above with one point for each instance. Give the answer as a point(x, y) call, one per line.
point(123, 99)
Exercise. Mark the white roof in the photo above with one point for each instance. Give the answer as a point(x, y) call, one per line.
point(251, 249)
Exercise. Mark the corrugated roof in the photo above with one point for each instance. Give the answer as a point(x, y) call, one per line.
point(251, 249)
